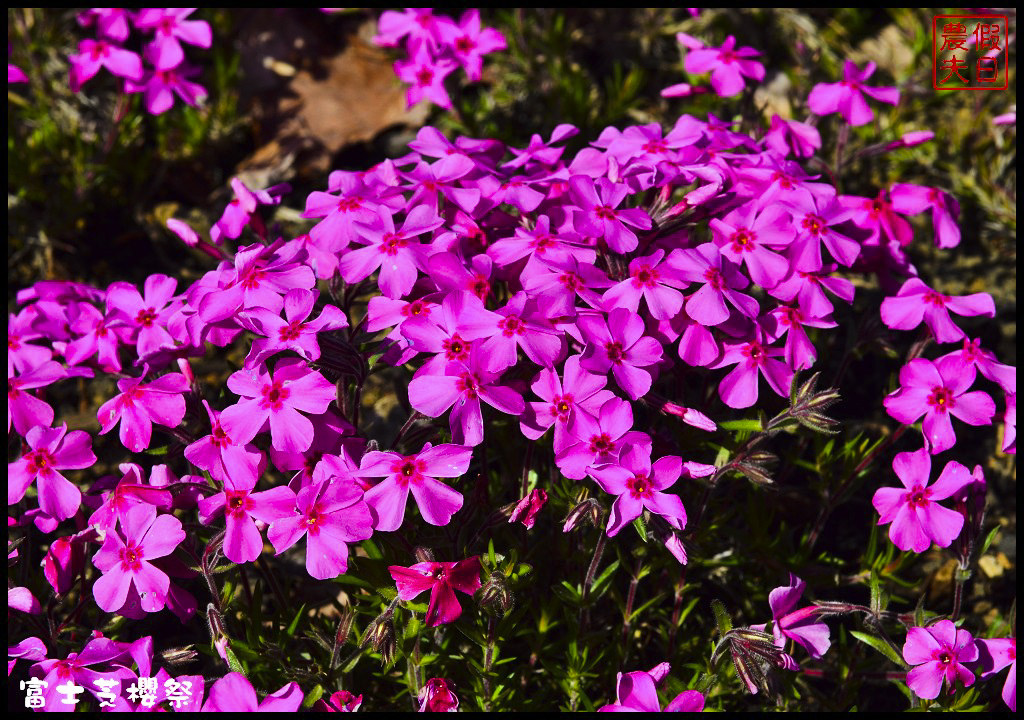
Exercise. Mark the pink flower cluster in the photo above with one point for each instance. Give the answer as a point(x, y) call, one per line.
point(165, 72)
point(436, 46)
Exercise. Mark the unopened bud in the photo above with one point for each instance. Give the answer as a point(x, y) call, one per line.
point(423, 554)
point(587, 511)
point(495, 597)
point(527, 508)
point(381, 637)
point(179, 656)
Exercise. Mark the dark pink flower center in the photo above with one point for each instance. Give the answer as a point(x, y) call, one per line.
point(455, 348)
point(615, 352)
point(464, 44)
point(348, 204)
point(571, 281)
point(561, 405)
point(511, 325)
point(605, 212)
point(941, 399)
point(813, 224)
point(918, 497)
point(146, 317)
point(754, 351)
point(252, 279)
point(313, 521)
point(291, 332)
point(391, 243)
point(467, 385)
point(743, 240)
point(131, 558)
point(274, 395)
point(40, 461)
point(236, 503)
point(936, 299)
point(654, 146)
point(639, 485)
point(13, 342)
point(424, 76)
point(714, 278)
point(480, 286)
point(601, 444)
point(219, 438)
point(542, 243)
point(645, 276)
point(784, 181)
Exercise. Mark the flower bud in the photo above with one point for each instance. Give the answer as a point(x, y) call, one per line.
point(495, 597)
point(436, 696)
point(589, 510)
point(381, 637)
point(527, 508)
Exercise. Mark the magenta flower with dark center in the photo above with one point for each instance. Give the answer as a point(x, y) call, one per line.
point(331, 515)
point(599, 441)
point(170, 28)
point(126, 562)
point(416, 474)
point(577, 391)
point(442, 579)
point(94, 54)
point(279, 399)
point(996, 654)
point(639, 485)
point(727, 64)
point(234, 694)
point(800, 626)
point(915, 302)
point(939, 652)
point(619, 345)
point(845, 96)
point(242, 507)
point(51, 450)
point(657, 282)
point(752, 356)
point(721, 279)
point(598, 214)
point(139, 406)
point(917, 518)
point(938, 391)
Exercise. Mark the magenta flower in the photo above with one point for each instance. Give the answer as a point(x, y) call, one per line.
point(330, 515)
point(436, 696)
point(913, 199)
point(785, 135)
point(442, 579)
point(938, 390)
point(656, 282)
point(416, 474)
point(638, 483)
point(94, 54)
point(800, 626)
point(996, 654)
point(638, 692)
point(170, 29)
point(577, 391)
point(752, 357)
point(24, 409)
point(51, 450)
point(242, 508)
point(240, 211)
point(470, 42)
point(744, 236)
point(425, 76)
point(845, 96)
point(160, 87)
point(526, 509)
point(126, 562)
point(280, 399)
point(598, 214)
point(727, 64)
point(939, 652)
point(721, 278)
point(917, 518)
point(234, 694)
point(599, 441)
point(139, 406)
point(296, 331)
point(619, 345)
point(146, 315)
point(915, 301)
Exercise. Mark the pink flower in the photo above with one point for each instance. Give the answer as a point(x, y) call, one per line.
point(845, 96)
point(938, 390)
point(727, 65)
point(442, 579)
point(917, 518)
point(996, 654)
point(639, 483)
point(939, 652)
point(341, 701)
point(330, 515)
point(94, 54)
point(437, 696)
point(233, 693)
point(242, 508)
point(619, 344)
point(125, 563)
point(913, 199)
point(280, 399)
point(470, 42)
point(597, 212)
point(161, 86)
point(800, 626)
point(425, 75)
point(526, 509)
point(416, 474)
point(169, 26)
point(915, 301)
point(139, 406)
point(637, 692)
point(51, 449)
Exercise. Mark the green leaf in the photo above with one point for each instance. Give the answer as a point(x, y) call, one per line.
point(881, 646)
point(294, 624)
point(722, 618)
point(742, 425)
point(988, 540)
point(640, 527)
point(233, 662)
